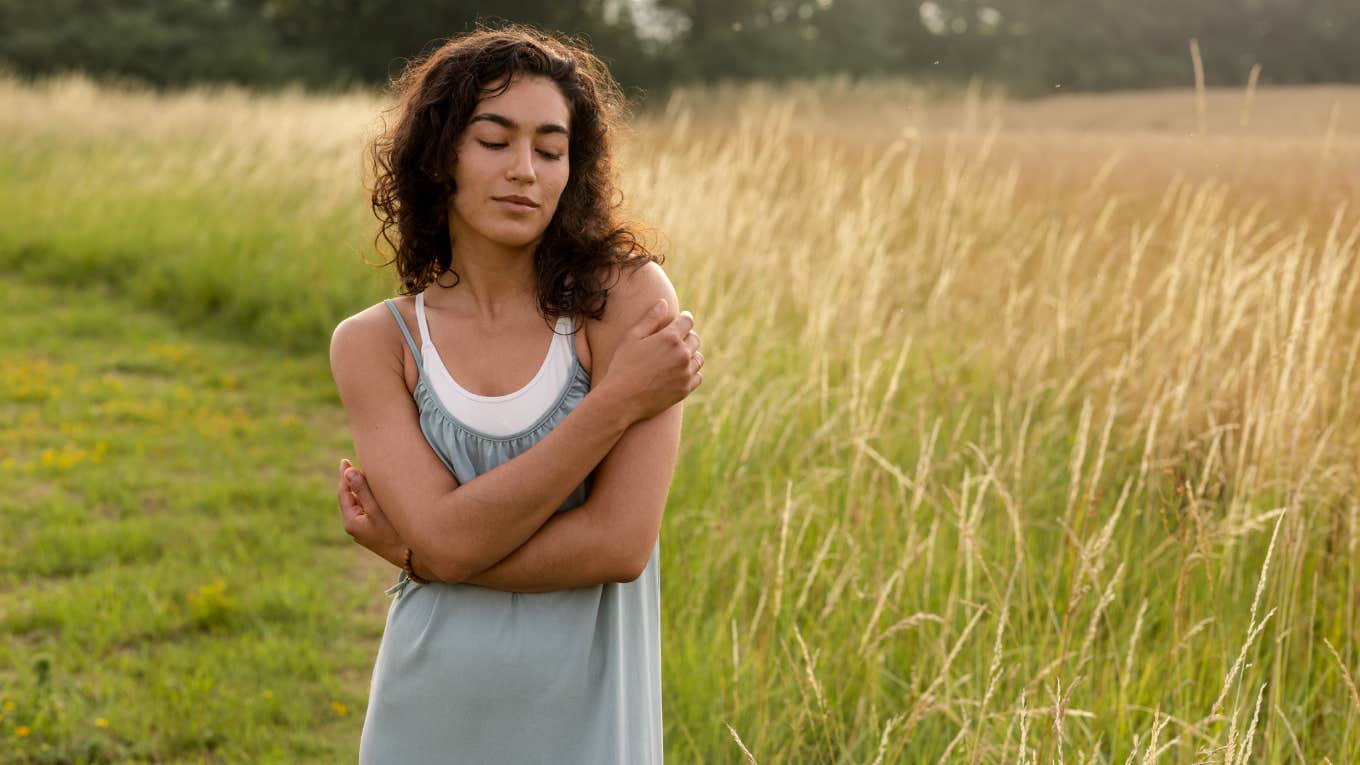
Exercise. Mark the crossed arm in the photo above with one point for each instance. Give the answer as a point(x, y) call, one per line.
point(499, 530)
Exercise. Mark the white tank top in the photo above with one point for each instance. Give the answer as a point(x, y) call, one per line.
point(513, 412)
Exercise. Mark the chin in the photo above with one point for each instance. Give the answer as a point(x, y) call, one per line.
point(516, 241)
point(515, 236)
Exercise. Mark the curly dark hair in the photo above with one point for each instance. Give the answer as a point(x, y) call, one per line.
point(413, 163)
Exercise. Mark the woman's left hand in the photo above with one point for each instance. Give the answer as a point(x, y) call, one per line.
point(364, 519)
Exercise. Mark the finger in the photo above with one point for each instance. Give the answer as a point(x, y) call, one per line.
point(359, 485)
point(682, 324)
point(351, 515)
point(653, 320)
point(343, 493)
point(696, 362)
point(345, 464)
point(349, 504)
point(351, 508)
point(341, 489)
point(691, 342)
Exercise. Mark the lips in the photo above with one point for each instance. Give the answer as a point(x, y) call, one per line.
point(517, 200)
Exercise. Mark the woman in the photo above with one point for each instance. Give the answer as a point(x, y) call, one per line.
point(525, 516)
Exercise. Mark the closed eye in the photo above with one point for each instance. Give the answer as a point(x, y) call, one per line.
point(545, 154)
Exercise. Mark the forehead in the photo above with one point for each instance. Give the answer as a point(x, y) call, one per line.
point(530, 100)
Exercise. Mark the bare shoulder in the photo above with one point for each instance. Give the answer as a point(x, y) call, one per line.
point(368, 338)
point(634, 291)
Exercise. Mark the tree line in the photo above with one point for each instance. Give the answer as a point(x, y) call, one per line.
point(1032, 45)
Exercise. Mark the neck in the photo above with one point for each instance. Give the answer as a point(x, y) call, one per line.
point(493, 280)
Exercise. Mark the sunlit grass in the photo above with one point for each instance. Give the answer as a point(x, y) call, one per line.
point(1026, 441)
point(167, 586)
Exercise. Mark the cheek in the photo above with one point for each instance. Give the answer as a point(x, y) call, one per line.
point(460, 201)
point(467, 173)
point(469, 186)
point(557, 181)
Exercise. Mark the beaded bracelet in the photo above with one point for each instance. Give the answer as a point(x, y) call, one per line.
point(411, 571)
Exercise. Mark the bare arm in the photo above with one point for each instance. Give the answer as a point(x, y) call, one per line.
point(611, 536)
point(466, 529)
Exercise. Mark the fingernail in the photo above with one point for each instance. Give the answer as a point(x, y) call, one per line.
point(659, 307)
point(353, 477)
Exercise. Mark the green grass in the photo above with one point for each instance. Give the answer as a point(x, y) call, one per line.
point(173, 557)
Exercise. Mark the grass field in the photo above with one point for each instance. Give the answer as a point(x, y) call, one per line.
point(1028, 430)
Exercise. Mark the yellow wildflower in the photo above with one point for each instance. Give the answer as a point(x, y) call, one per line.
point(9, 705)
point(69, 456)
point(22, 731)
point(339, 708)
point(101, 722)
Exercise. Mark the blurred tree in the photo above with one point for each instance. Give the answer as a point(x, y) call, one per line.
point(267, 42)
point(1080, 44)
point(1309, 41)
point(1036, 45)
point(873, 37)
point(163, 42)
point(368, 40)
point(1087, 44)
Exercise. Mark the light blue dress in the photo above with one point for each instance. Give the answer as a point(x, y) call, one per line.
point(467, 674)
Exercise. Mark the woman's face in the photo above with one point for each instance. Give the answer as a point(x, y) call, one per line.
point(512, 164)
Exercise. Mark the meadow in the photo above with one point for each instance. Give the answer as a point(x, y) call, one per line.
point(1027, 435)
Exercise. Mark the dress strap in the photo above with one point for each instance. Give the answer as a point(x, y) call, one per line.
point(420, 364)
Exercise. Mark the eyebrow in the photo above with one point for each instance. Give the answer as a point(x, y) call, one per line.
point(506, 122)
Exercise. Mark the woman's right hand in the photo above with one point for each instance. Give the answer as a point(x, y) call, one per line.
point(656, 365)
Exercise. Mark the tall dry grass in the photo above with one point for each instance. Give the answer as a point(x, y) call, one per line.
point(1028, 431)
point(1090, 431)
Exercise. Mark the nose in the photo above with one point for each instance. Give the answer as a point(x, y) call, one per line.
point(522, 164)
